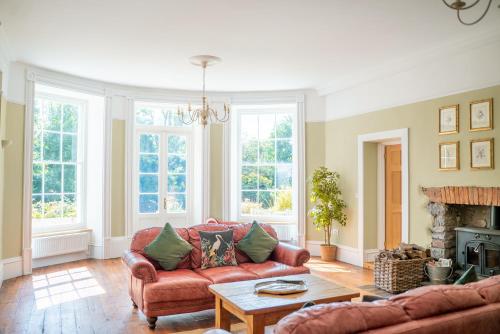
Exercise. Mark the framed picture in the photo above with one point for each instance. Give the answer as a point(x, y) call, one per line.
point(481, 154)
point(449, 156)
point(448, 119)
point(481, 115)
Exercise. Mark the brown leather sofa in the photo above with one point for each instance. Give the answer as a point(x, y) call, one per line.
point(441, 309)
point(157, 292)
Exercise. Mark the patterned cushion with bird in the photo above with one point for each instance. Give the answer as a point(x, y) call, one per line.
point(217, 249)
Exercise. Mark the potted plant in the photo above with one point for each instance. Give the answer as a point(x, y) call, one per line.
point(328, 207)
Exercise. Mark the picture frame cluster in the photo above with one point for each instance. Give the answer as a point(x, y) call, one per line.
point(481, 151)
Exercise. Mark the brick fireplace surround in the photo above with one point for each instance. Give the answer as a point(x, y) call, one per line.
point(448, 204)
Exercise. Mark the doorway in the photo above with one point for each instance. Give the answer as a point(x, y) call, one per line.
point(382, 193)
point(392, 198)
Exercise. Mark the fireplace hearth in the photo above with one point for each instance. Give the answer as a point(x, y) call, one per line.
point(466, 226)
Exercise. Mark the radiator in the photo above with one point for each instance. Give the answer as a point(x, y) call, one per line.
point(285, 232)
point(60, 244)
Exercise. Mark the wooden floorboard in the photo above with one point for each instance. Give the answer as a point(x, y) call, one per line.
point(91, 296)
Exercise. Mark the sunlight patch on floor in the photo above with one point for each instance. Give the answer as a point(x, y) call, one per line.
point(64, 286)
point(327, 267)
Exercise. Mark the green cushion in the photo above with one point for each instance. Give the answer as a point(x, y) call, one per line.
point(257, 244)
point(467, 277)
point(168, 248)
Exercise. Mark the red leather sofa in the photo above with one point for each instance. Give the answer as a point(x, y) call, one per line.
point(157, 292)
point(441, 309)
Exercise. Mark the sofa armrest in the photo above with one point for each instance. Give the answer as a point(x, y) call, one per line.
point(139, 266)
point(290, 255)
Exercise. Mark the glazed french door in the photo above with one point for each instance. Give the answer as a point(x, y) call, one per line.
point(163, 178)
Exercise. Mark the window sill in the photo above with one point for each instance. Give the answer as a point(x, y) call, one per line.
point(66, 232)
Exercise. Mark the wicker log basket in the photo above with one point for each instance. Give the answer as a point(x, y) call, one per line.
point(401, 269)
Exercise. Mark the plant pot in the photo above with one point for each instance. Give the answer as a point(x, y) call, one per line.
point(328, 252)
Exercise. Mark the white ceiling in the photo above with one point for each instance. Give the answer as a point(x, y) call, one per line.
point(265, 45)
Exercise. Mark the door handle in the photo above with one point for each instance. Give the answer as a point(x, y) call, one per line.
point(165, 203)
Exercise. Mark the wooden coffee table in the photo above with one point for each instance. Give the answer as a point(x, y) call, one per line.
point(260, 310)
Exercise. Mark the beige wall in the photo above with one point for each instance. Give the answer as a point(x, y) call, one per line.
point(3, 107)
point(422, 120)
point(13, 182)
point(216, 161)
point(315, 157)
point(370, 194)
point(118, 179)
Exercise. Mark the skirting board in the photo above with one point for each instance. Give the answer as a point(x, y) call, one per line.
point(58, 259)
point(344, 253)
point(12, 267)
point(371, 254)
point(116, 246)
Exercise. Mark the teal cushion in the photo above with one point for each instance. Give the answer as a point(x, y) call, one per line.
point(217, 249)
point(168, 248)
point(467, 277)
point(257, 244)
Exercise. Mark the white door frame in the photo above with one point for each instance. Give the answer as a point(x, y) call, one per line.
point(400, 135)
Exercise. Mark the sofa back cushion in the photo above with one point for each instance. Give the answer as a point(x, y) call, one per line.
point(430, 301)
point(488, 288)
point(194, 240)
point(341, 318)
point(240, 231)
point(144, 237)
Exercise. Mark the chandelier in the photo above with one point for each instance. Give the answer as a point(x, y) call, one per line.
point(459, 6)
point(205, 113)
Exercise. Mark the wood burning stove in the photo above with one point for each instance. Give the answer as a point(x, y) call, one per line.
point(479, 247)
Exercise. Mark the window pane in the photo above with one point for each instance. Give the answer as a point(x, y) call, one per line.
point(176, 203)
point(52, 116)
point(284, 177)
point(70, 118)
point(266, 199)
point(37, 178)
point(148, 163)
point(177, 183)
point(144, 116)
point(53, 177)
point(176, 164)
point(69, 178)
point(37, 116)
point(266, 178)
point(52, 207)
point(36, 206)
point(249, 151)
point(249, 127)
point(148, 183)
point(267, 151)
point(266, 126)
point(284, 151)
point(69, 206)
point(284, 126)
point(37, 146)
point(70, 148)
point(148, 203)
point(51, 146)
point(283, 203)
point(177, 144)
point(249, 202)
point(249, 178)
point(149, 143)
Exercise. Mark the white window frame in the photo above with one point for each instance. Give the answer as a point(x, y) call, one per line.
point(163, 132)
point(67, 224)
point(275, 110)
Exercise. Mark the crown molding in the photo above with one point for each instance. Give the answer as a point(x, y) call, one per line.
point(391, 68)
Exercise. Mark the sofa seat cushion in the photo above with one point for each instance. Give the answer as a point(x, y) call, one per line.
point(226, 274)
point(341, 318)
point(488, 288)
point(273, 269)
point(180, 284)
point(429, 301)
